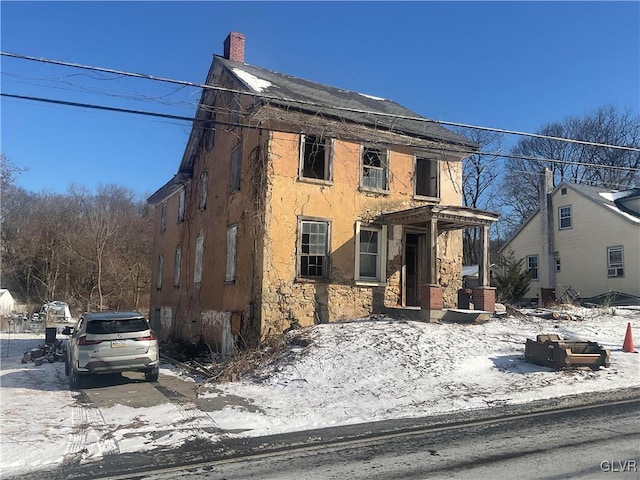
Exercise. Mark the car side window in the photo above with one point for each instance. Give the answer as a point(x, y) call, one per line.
point(79, 326)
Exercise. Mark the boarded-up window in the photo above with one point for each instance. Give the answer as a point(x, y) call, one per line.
point(181, 199)
point(202, 184)
point(163, 218)
point(232, 239)
point(159, 275)
point(197, 270)
point(177, 266)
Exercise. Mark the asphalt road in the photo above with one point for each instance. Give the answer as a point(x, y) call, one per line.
point(584, 442)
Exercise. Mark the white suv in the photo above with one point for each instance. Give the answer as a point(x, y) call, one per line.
point(108, 342)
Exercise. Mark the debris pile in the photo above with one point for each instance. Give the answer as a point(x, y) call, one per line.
point(48, 352)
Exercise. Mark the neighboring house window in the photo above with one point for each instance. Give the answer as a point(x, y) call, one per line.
point(197, 271)
point(557, 264)
point(375, 169)
point(426, 179)
point(163, 218)
point(177, 266)
point(315, 157)
point(232, 241)
point(159, 277)
point(532, 266)
point(181, 198)
point(204, 178)
point(615, 262)
point(236, 166)
point(564, 215)
point(563, 191)
point(371, 253)
point(313, 248)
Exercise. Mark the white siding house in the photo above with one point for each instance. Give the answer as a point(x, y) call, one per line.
point(593, 238)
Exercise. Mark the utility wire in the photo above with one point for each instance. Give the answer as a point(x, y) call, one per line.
point(257, 127)
point(312, 104)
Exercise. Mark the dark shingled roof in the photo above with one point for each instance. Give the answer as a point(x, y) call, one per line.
point(330, 100)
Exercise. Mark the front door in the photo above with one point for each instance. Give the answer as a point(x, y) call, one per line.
point(412, 263)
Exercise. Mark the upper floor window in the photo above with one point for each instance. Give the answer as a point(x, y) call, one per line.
point(564, 217)
point(159, 275)
point(236, 168)
point(177, 266)
point(375, 169)
point(163, 218)
point(202, 184)
point(313, 248)
point(197, 270)
point(615, 262)
point(181, 199)
point(315, 157)
point(370, 253)
point(427, 177)
point(232, 241)
point(532, 266)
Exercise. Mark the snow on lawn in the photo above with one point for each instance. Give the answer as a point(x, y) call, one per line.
point(349, 372)
point(383, 369)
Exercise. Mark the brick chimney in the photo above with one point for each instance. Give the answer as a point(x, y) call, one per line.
point(234, 47)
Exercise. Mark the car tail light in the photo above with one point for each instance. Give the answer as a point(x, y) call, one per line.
point(84, 341)
point(151, 336)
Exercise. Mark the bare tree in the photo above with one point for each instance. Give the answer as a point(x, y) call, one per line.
point(479, 174)
point(571, 162)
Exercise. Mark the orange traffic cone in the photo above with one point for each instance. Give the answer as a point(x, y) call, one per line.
point(627, 346)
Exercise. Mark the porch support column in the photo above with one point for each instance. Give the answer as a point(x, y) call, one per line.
point(430, 292)
point(484, 297)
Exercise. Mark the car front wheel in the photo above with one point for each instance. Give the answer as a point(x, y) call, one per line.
point(152, 375)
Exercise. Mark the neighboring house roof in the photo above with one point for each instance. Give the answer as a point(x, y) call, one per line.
point(296, 94)
point(621, 203)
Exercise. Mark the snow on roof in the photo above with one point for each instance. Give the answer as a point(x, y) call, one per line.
point(620, 212)
point(255, 83)
point(613, 196)
point(371, 96)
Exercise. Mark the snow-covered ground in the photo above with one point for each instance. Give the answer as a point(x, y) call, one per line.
point(349, 372)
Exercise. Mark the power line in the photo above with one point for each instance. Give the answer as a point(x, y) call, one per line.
point(313, 104)
point(208, 121)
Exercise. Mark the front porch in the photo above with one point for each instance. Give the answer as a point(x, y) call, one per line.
point(420, 287)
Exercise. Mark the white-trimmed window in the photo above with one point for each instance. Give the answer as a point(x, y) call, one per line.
point(236, 167)
point(202, 184)
point(315, 157)
point(565, 220)
point(177, 266)
point(615, 261)
point(181, 200)
point(313, 248)
point(375, 169)
point(159, 276)
point(163, 217)
point(232, 242)
point(197, 270)
point(532, 266)
point(371, 253)
point(427, 177)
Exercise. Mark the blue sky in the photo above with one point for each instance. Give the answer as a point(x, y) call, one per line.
point(511, 65)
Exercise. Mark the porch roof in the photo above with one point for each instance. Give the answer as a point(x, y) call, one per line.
point(449, 217)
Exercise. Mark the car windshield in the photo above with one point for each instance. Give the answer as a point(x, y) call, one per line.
point(126, 325)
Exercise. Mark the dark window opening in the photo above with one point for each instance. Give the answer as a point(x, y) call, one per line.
point(427, 177)
point(315, 161)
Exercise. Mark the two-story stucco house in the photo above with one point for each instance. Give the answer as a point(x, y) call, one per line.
point(301, 202)
point(582, 238)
